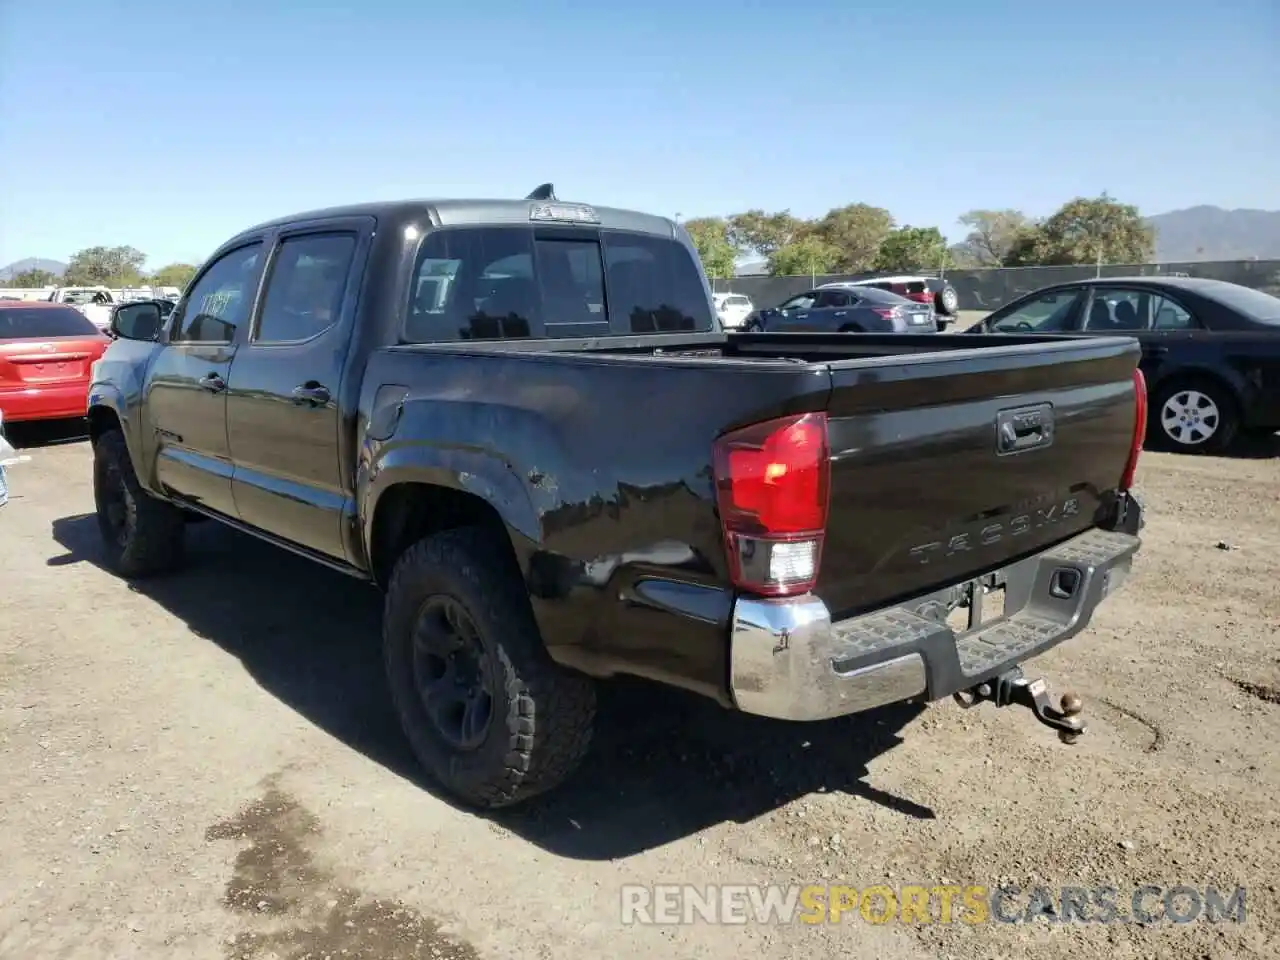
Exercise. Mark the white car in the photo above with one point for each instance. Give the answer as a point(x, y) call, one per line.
point(733, 308)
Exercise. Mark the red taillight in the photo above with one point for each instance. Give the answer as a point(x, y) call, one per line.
point(1139, 429)
point(887, 312)
point(772, 487)
point(924, 297)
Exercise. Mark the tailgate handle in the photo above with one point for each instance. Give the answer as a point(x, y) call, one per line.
point(1024, 428)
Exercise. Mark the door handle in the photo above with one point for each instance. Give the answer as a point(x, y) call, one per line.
point(313, 393)
point(213, 383)
point(1157, 351)
point(841, 313)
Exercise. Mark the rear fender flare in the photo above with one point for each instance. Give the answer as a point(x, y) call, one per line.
point(432, 447)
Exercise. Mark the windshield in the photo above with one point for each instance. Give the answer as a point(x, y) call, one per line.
point(737, 301)
point(81, 297)
point(1255, 304)
point(41, 323)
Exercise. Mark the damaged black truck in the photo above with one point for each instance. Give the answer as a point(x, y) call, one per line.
point(521, 420)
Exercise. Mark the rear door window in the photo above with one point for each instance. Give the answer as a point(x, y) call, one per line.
point(39, 323)
point(514, 282)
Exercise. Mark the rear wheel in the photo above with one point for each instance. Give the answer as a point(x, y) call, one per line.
point(1195, 416)
point(489, 715)
point(141, 534)
point(947, 302)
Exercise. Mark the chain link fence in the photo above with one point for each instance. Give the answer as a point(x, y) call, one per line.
point(990, 289)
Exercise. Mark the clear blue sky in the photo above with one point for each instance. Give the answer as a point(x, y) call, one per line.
point(170, 126)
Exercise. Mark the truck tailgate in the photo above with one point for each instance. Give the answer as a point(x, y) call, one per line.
point(943, 468)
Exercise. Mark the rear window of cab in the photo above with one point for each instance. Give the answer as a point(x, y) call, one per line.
point(487, 283)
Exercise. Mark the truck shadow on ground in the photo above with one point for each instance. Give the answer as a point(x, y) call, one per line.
point(664, 764)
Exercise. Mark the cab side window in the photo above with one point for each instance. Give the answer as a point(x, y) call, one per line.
point(305, 288)
point(220, 300)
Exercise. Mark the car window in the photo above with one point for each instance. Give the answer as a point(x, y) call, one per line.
point(220, 300)
point(1170, 316)
point(737, 301)
point(571, 281)
point(469, 285)
point(654, 285)
point(1044, 314)
point(1118, 311)
point(832, 298)
point(37, 323)
point(305, 288)
point(804, 301)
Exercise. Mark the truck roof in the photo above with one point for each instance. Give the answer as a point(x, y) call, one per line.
point(463, 212)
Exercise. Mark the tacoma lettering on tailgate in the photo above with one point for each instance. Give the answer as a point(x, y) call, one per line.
point(996, 531)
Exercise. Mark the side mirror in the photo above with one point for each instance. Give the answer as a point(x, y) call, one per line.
point(136, 321)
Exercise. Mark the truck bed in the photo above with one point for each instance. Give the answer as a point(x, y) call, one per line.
point(919, 495)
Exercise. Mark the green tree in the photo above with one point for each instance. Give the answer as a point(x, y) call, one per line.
point(992, 234)
point(913, 248)
point(1027, 248)
point(855, 231)
point(33, 278)
point(1095, 230)
point(710, 235)
point(764, 233)
point(106, 266)
point(174, 275)
point(809, 255)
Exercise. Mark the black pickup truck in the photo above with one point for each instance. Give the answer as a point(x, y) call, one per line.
point(521, 420)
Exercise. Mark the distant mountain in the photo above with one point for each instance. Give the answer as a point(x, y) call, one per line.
point(31, 263)
point(1211, 233)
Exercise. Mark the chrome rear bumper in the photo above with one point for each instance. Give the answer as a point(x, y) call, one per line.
point(788, 660)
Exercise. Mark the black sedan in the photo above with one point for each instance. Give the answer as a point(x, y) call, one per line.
point(845, 308)
point(1210, 349)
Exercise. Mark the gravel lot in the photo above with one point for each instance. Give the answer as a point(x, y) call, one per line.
point(206, 767)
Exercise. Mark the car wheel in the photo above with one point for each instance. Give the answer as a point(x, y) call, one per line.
point(947, 301)
point(487, 712)
point(752, 326)
point(1195, 416)
point(141, 535)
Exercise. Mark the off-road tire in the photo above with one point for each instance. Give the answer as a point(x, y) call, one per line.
point(542, 716)
point(152, 539)
point(946, 302)
point(1228, 417)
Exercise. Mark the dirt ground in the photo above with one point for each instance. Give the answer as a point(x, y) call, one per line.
point(206, 767)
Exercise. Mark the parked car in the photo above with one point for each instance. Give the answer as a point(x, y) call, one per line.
point(935, 291)
point(47, 351)
point(1210, 349)
point(94, 302)
point(844, 308)
point(732, 308)
point(552, 485)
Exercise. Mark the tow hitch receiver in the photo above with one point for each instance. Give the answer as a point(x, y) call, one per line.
point(1011, 687)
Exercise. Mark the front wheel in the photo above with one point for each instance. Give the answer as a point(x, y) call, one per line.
point(487, 712)
point(1195, 417)
point(141, 535)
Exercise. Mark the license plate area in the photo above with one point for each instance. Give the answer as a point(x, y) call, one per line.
point(982, 603)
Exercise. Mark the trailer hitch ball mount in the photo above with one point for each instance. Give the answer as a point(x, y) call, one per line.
point(1013, 688)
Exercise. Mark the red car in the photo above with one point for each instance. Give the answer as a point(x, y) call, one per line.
point(47, 351)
